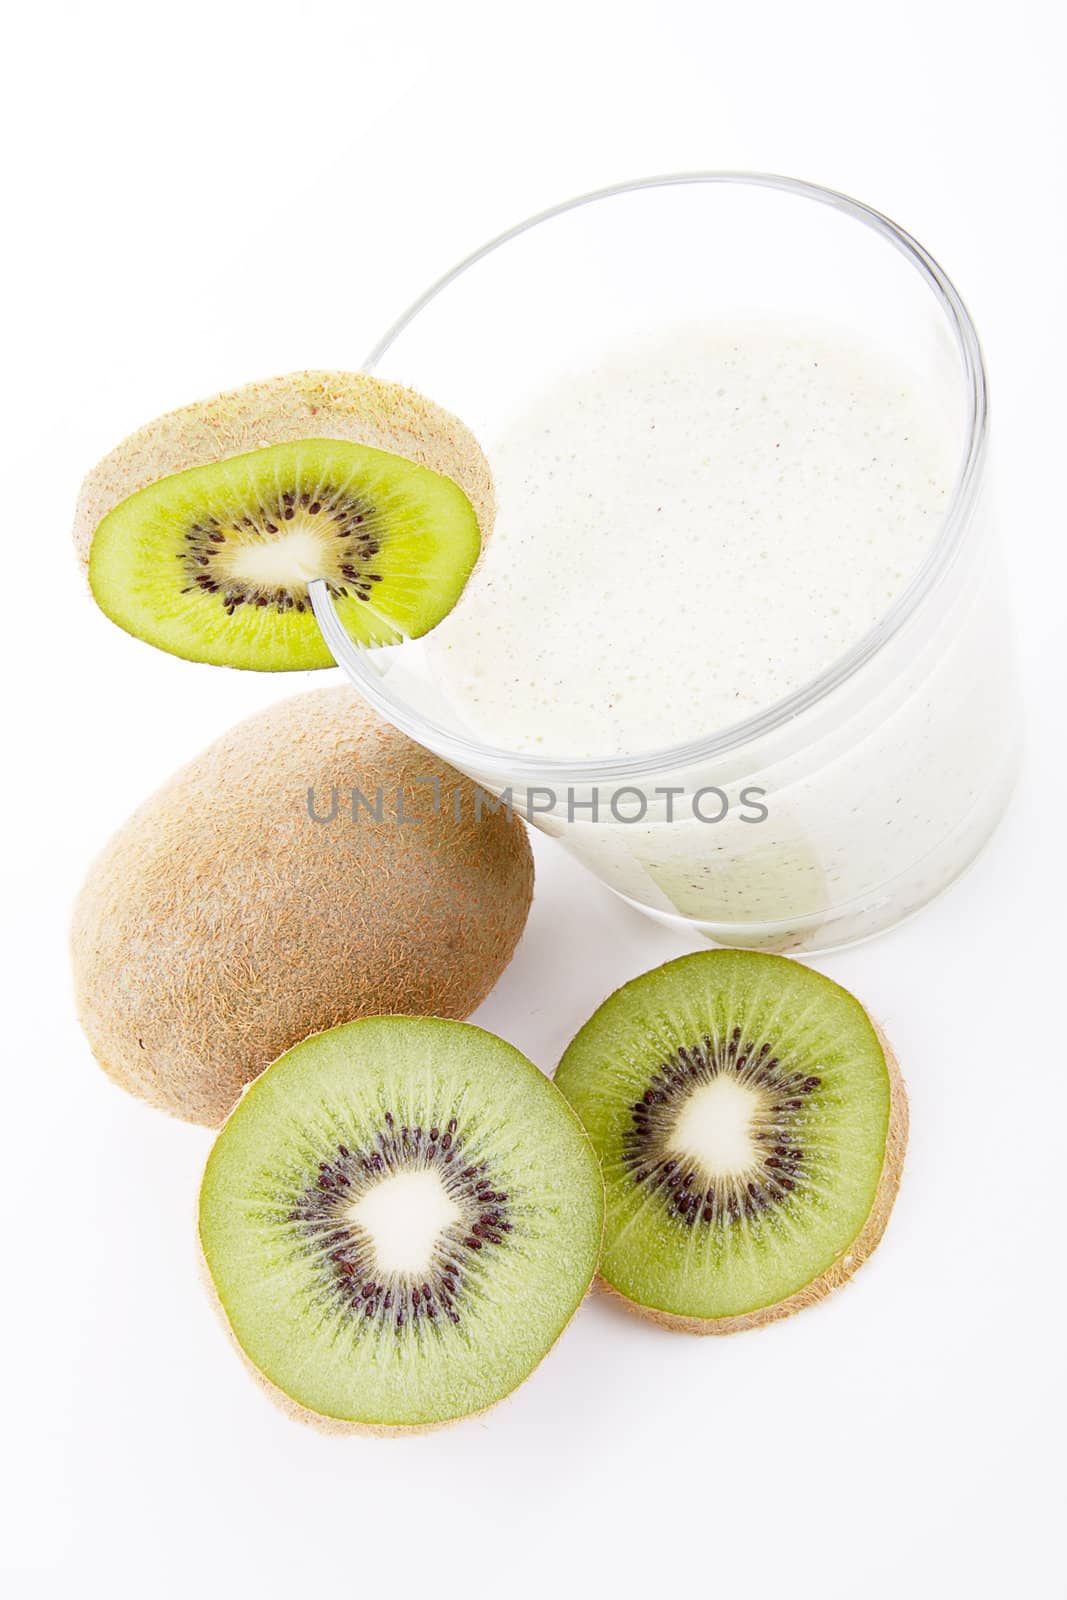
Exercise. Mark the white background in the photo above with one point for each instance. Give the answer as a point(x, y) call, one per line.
point(197, 195)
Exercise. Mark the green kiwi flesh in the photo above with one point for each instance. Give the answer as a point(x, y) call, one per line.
point(750, 1125)
point(212, 563)
point(399, 1218)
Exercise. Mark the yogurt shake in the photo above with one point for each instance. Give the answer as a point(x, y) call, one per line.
point(690, 531)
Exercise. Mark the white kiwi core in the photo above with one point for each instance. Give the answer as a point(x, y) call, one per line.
point(714, 1129)
point(284, 562)
point(404, 1216)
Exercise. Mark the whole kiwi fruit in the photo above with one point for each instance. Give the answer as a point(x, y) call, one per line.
point(311, 867)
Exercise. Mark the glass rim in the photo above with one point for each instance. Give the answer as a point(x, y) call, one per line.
point(518, 766)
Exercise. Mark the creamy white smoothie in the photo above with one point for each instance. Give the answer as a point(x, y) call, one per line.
point(689, 530)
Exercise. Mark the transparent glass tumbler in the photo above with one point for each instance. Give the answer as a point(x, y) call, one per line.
point(881, 779)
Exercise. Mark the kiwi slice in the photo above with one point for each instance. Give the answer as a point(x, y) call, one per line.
point(202, 532)
point(751, 1125)
point(400, 1218)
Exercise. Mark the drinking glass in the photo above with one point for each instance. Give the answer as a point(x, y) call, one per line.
point(881, 778)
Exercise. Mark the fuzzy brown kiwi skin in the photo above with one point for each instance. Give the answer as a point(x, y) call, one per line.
point(338, 1426)
point(221, 925)
point(850, 1260)
point(300, 405)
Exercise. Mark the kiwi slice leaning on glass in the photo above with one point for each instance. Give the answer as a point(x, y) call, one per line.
point(202, 530)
